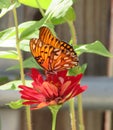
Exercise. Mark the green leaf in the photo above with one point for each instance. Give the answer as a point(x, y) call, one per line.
point(10, 43)
point(15, 104)
point(36, 3)
point(32, 29)
point(58, 8)
point(13, 85)
point(7, 33)
point(28, 63)
point(9, 55)
point(7, 5)
point(27, 31)
point(96, 47)
point(24, 45)
point(77, 70)
point(10, 32)
point(83, 68)
point(69, 16)
point(31, 63)
point(3, 80)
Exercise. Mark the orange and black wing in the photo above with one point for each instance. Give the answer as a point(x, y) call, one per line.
point(51, 53)
point(41, 52)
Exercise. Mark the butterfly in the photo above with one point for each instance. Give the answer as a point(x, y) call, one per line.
point(52, 54)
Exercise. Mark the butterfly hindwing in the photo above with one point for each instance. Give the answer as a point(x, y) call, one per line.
point(63, 60)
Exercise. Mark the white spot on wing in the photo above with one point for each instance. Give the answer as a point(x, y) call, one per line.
point(34, 46)
point(39, 43)
point(66, 65)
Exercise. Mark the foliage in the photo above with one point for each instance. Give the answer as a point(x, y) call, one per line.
point(54, 12)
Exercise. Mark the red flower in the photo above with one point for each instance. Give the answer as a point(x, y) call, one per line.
point(54, 90)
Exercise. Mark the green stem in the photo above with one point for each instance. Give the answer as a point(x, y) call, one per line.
point(41, 10)
point(54, 110)
point(73, 32)
point(43, 13)
point(21, 65)
point(72, 114)
point(80, 107)
point(18, 47)
point(80, 112)
point(28, 117)
point(72, 108)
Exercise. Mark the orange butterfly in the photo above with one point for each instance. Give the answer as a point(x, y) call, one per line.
point(51, 53)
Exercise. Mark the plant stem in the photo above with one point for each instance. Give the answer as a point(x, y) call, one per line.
point(72, 114)
point(79, 97)
point(71, 105)
point(43, 13)
point(28, 116)
point(73, 32)
point(54, 110)
point(54, 115)
point(80, 112)
point(41, 10)
point(18, 47)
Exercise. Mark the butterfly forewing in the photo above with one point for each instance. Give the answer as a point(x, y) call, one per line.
point(48, 38)
point(51, 53)
point(40, 52)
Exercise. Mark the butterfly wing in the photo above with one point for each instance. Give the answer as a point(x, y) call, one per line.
point(51, 53)
point(47, 37)
point(62, 60)
point(41, 52)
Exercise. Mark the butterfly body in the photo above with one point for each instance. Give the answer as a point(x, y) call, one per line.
point(52, 54)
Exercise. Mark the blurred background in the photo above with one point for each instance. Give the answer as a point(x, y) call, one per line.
point(94, 21)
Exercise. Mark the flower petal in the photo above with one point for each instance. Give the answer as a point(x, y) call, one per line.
point(76, 92)
point(36, 76)
point(31, 94)
point(74, 81)
point(56, 78)
point(64, 87)
point(43, 104)
point(49, 90)
point(56, 89)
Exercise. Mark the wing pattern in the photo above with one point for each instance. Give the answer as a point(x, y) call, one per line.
point(52, 54)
